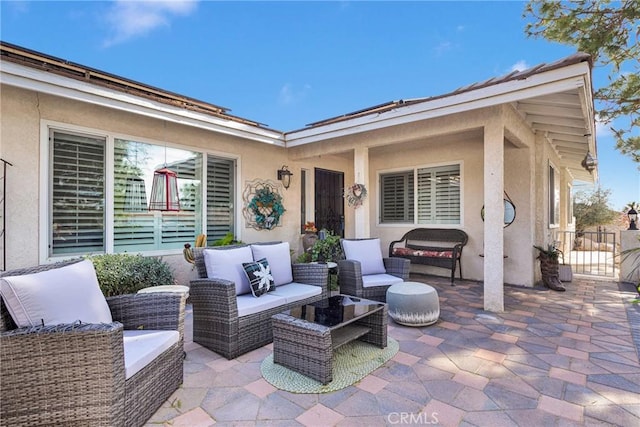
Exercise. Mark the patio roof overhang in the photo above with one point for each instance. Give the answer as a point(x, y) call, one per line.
point(555, 100)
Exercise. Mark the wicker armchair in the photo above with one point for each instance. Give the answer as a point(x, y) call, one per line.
point(74, 374)
point(216, 323)
point(352, 281)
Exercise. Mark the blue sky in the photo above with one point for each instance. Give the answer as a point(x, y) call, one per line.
point(287, 64)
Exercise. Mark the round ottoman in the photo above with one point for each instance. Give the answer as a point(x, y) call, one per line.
point(413, 304)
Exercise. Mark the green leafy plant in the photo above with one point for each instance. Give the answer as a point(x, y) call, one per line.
point(120, 274)
point(327, 249)
point(550, 252)
point(303, 258)
point(228, 239)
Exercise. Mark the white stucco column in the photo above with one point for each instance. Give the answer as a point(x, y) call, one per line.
point(361, 174)
point(493, 216)
point(629, 272)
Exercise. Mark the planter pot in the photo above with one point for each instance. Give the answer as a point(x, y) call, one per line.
point(308, 240)
point(550, 269)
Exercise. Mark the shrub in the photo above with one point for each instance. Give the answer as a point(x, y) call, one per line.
point(120, 274)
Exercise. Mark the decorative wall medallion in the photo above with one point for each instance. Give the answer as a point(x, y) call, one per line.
point(355, 195)
point(263, 204)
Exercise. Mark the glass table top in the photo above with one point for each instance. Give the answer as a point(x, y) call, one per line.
point(335, 310)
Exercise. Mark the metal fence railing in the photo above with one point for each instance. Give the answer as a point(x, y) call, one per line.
point(590, 252)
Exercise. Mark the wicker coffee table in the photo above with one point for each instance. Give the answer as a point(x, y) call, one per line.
point(305, 337)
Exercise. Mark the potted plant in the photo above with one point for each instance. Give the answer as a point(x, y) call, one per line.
point(327, 249)
point(550, 267)
point(310, 237)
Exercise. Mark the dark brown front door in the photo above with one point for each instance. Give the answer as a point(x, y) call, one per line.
point(329, 201)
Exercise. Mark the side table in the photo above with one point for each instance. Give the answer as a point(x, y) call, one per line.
point(166, 288)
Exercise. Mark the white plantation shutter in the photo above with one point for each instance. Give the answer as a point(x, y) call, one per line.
point(439, 195)
point(437, 191)
point(220, 192)
point(396, 197)
point(134, 227)
point(77, 194)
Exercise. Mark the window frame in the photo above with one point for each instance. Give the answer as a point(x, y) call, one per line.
point(414, 169)
point(553, 189)
point(47, 128)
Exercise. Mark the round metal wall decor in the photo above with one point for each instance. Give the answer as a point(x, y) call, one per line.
point(263, 205)
point(509, 212)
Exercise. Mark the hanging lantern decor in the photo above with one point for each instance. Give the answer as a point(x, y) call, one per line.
point(164, 191)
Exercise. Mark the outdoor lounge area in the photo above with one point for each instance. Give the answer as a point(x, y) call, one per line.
point(548, 359)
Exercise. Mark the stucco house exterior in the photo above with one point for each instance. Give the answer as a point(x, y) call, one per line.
point(77, 138)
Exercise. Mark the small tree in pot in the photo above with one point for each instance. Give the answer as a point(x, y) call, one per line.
point(550, 267)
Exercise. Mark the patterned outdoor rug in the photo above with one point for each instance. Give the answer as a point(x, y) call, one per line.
point(351, 363)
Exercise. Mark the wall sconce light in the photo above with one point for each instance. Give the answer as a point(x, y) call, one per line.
point(164, 191)
point(589, 163)
point(284, 175)
point(633, 218)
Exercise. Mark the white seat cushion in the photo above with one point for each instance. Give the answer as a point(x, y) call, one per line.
point(278, 256)
point(293, 291)
point(368, 252)
point(248, 304)
point(52, 297)
point(379, 280)
point(142, 347)
point(227, 264)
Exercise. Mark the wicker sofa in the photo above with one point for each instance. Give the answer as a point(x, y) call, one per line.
point(224, 321)
point(74, 373)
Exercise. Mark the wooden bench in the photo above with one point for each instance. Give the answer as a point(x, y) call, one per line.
point(438, 247)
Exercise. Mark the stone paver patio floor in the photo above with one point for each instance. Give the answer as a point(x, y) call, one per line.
point(550, 359)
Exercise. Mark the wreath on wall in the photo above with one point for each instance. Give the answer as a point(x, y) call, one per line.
point(355, 195)
point(264, 206)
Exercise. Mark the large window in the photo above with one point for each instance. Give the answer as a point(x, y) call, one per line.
point(423, 196)
point(554, 196)
point(79, 197)
point(77, 194)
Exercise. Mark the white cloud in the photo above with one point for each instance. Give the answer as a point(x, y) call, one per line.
point(519, 66)
point(289, 95)
point(443, 47)
point(460, 28)
point(129, 19)
point(602, 129)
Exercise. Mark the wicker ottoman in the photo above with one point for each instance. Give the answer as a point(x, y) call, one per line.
point(413, 304)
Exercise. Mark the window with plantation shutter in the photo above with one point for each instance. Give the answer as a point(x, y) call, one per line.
point(79, 182)
point(77, 194)
point(396, 195)
point(439, 195)
point(436, 194)
point(220, 193)
point(136, 228)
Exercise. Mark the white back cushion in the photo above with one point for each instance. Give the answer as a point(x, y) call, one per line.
point(227, 264)
point(366, 251)
point(59, 295)
point(279, 258)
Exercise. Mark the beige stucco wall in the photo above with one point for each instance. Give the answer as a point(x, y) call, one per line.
point(454, 138)
point(24, 112)
point(468, 150)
